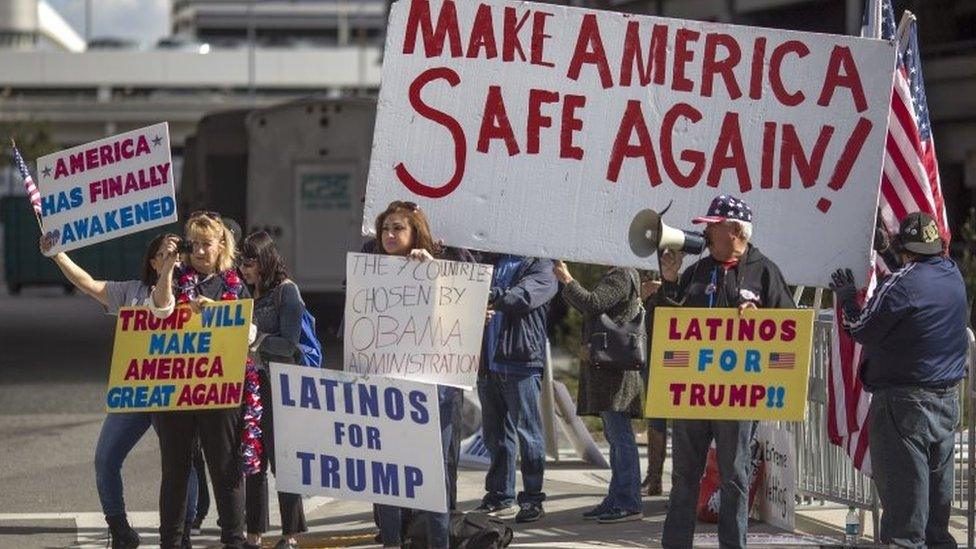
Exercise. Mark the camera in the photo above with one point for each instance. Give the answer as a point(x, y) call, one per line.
point(184, 247)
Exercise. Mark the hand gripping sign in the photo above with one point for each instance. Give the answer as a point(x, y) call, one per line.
point(544, 130)
point(108, 188)
point(718, 364)
point(183, 362)
point(374, 439)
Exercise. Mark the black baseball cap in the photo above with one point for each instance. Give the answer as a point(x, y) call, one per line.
point(918, 233)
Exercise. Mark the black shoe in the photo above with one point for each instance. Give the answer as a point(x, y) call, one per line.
point(196, 527)
point(185, 543)
point(123, 536)
point(597, 511)
point(530, 512)
point(619, 515)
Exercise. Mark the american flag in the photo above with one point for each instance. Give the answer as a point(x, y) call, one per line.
point(909, 182)
point(676, 359)
point(32, 193)
point(783, 361)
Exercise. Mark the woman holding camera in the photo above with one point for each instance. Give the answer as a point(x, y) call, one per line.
point(208, 276)
point(613, 394)
point(278, 310)
point(121, 432)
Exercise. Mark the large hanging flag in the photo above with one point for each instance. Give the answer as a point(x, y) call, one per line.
point(909, 182)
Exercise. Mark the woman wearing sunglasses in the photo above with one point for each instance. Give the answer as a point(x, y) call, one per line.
point(208, 275)
point(121, 432)
point(278, 310)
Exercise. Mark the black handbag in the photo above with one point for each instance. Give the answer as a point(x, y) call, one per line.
point(615, 346)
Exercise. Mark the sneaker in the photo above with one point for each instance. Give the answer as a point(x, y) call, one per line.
point(530, 512)
point(597, 511)
point(285, 543)
point(501, 512)
point(619, 515)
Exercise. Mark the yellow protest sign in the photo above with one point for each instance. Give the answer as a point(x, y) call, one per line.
point(716, 364)
point(184, 362)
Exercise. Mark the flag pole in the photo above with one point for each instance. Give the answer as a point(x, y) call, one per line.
point(907, 19)
point(36, 216)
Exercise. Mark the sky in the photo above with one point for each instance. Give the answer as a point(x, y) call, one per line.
point(144, 21)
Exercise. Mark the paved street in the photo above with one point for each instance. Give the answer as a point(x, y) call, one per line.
point(54, 365)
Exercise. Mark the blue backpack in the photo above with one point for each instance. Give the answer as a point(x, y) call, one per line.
point(309, 348)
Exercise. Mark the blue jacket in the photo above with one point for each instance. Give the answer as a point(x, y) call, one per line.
point(913, 329)
point(520, 346)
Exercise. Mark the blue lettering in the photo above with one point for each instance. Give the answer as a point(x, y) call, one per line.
point(307, 459)
point(156, 344)
point(356, 474)
point(207, 316)
point(309, 396)
point(125, 216)
point(155, 210)
point(369, 403)
point(112, 399)
point(330, 471)
point(414, 478)
point(330, 387)
point(77, 199)
point(203, 343)
point(727, 360)
point(286, 399)
point(81, 228)
point(705, 357)
point(96, 226)
point(385, 479)
point(168, 206)
point(393, 399)
point(111, 224)
point(752, 360)
point(418, 400)
point(141, 397)
point(67, 235)
point(47, 205)
point(161, 395)
point(142, 213)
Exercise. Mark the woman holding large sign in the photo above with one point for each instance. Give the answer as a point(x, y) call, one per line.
point(208, 276)
point(278, 313)
point(612, 389)
point(403, 230)
point(121, 432)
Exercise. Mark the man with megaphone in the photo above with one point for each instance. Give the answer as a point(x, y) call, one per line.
point(734, 275)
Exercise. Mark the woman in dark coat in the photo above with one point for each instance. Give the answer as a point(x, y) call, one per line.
point(615, 395)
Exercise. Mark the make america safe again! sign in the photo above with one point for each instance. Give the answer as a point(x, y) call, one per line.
point(543, 130)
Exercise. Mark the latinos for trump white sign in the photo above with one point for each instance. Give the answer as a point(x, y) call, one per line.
point(420, 320)
point(543, 130)
point(107, 188)
point(372, 439)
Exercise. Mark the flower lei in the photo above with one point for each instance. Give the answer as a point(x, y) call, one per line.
point(251, 449)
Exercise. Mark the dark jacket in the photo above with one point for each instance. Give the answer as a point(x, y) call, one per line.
point(600, 389)
point(525, 314)
point(755, 279)
point(913, 329)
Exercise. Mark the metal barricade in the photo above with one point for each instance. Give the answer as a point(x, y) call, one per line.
point(824, 471)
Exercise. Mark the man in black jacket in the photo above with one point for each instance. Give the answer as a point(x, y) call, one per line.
point(509, 384)
point(734, 275)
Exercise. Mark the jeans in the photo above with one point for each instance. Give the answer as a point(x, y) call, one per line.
point(219, 434)
point(624, 492)
point(689, 446)
point(120, 433)
point(912, 457)
point(389, 517)
point(256, 486)
point(510, 410)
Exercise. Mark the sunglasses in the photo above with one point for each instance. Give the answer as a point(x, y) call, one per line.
point(206, 213)
point(412, 206)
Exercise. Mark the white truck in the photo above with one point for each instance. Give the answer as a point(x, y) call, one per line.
point(306, 181)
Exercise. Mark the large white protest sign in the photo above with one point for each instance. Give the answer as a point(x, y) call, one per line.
point(411, 319)
point(543, 130)
point(776, 501)
point(372, 439)
point(107, 188)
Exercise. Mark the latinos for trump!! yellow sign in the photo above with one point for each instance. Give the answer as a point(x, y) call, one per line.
point(183, 362)
point(718, 364)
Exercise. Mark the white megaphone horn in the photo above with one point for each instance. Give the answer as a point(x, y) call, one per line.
point(648, 235)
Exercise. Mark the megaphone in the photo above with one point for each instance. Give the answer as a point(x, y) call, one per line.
point(648, 235)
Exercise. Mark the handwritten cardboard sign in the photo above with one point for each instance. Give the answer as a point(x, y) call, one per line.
point(543, 130)
point(716, 364)
point(107, 188)
point(374, 439)
point(183, 362)
point(420, 320)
